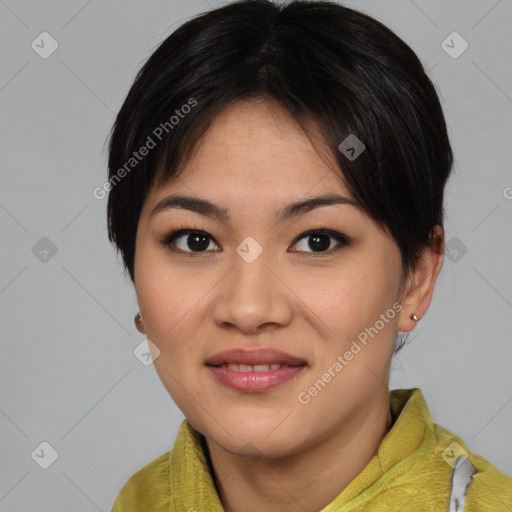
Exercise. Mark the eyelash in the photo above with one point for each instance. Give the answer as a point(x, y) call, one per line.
point(168, 238)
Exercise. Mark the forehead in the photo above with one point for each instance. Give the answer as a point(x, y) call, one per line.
point(254, 164)
point(255, 145)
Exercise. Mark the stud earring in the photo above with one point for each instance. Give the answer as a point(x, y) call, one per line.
point(414, 317)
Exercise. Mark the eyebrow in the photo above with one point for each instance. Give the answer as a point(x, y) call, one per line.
point(209, 209)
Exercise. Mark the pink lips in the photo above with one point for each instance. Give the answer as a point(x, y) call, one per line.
point(254, 370)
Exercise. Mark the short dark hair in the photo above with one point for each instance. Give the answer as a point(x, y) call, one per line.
point(322, 61)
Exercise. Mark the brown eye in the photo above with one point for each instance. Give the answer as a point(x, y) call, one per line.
point(188, 240)
point(319, 241)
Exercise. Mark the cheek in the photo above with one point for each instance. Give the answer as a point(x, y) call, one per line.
point(163, 292)
point(357, 306)
point(346, 298)
point(173, 305)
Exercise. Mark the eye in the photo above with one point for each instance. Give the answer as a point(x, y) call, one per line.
point(188, 240)
point(196, 241)
point(320, 241)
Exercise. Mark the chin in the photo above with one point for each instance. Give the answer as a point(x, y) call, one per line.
point(251, 438)
point(247, 447)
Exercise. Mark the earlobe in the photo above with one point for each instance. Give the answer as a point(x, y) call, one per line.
point(424, 278)
point(139, 324)
point(406, 325)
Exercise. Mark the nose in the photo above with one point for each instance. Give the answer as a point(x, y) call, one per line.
point(252, 297)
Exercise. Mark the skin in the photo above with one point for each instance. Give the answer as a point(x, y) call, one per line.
point(270, 451)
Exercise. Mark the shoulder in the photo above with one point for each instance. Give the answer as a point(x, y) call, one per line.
point(482, 485)
point(490, 489)
point(147, 489)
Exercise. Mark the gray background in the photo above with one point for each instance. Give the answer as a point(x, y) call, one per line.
point(68, 373)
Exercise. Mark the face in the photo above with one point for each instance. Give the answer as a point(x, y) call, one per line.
point(257, 287)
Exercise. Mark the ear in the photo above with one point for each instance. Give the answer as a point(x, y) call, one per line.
point(139, 323)
point(420, 285)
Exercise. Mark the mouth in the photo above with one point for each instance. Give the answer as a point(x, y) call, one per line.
point(254, 370)
point(253, 367)
point(254, 357)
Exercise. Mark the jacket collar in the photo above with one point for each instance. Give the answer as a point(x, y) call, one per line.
point(410, 438)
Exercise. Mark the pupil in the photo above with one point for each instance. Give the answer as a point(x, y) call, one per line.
point(317, 244)
point(201, 239)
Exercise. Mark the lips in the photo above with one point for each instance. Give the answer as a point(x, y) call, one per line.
point(254, 358)
point(254, 371)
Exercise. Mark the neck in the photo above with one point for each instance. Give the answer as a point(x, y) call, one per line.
point(310, 479)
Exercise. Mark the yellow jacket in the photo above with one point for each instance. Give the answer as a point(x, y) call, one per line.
point(419, 467)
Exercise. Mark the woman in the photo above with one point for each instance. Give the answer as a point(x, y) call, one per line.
point(276, 179)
